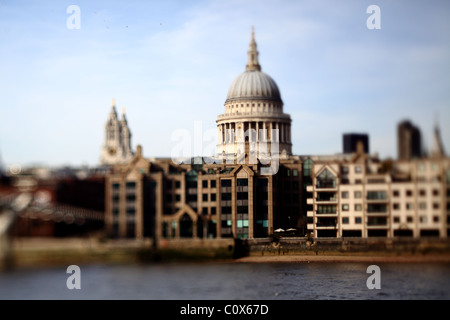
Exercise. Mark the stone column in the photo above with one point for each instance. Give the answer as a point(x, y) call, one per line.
point(222, 134)
point(265, 131)
point(278, 134)
point(257, 131)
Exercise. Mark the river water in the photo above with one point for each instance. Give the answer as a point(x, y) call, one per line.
point(213, 281)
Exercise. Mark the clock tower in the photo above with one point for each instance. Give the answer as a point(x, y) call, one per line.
point(117, 144)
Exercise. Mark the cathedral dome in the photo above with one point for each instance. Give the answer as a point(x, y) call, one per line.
point(253, 84)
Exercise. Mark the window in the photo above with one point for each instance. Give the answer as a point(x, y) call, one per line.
point(344, 194)
point(205, 211)
point(131, 184)
point(421, 167)
point(326, 209)
point(358, 181)
point(435, 192)
point(242, 182)
point(205, 183)
point(376, 221)
point(395, 193)
point(422, 192)
point(344, 170)
point(205, 197)
point(358, 169)
point(435, 218)
point(177, 184)
point(116, 186)
point(213, 197)
point(423, 219)
point(213, 210)
point(225, 183)
point(177, 197)
point(396, 219)
point(307, 167)
point(169, 184)
point(376, 208)
point(409, 219)
point(376, 195)
point(242, 195)
point(358, 220)
point(408, 193)
point(295, 172)
point(345, 207)
point(395, 206)
point(131, 197)
point(345, 220)
point(434, 167)
point(358, 207)
point(226, 196)
point(242, 223)
point(409, 206)
point(435, 205)
point(357, 194)
point(213, 183)
point(422, 205)
point(326, 179)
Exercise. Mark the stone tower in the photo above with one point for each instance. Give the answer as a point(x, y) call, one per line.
point(117, 142)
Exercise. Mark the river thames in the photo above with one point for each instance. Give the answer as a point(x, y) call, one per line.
point(242, 281)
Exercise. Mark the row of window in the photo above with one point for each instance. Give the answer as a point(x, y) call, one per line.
point(396, 219)
point(345, 170)
point(205, 183)
point(420, 167)
point(373, 208)
point(129, 185)
point(382, 194)
point(253, 105)
point(410, 206)
point(410, 193)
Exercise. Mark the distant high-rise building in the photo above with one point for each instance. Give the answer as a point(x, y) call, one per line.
point(437, 149)
point(408, 141)
point(117, 146)
point(350, 142)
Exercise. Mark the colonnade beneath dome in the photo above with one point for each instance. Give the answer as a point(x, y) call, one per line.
point(254, 131)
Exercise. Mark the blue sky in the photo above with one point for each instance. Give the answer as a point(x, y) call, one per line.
point(170, 64)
